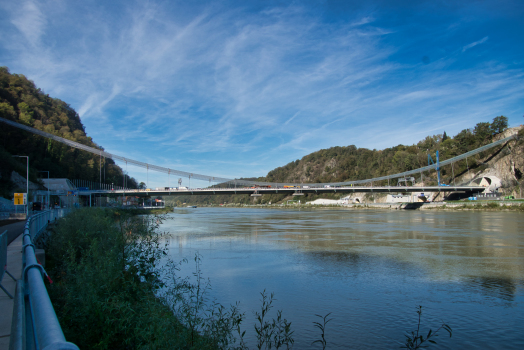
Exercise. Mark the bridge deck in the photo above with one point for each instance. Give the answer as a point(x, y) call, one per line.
point(319, 190)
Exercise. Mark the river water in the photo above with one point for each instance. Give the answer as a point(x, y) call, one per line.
point(370, 268)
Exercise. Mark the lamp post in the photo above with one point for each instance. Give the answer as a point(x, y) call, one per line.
point(26, 185)
point(48, 199)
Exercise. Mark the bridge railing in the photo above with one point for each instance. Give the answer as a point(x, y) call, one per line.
point(35, 325)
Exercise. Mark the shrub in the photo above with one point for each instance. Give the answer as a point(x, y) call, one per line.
point(105, 267)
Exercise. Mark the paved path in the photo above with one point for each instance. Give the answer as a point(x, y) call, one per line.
point(13, 230)
point(14, 266)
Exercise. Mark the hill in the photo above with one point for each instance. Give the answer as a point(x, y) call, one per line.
point(21, 101)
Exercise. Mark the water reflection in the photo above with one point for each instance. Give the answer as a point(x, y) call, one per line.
point(466, 267)
point(501, 288)
point(447, 245)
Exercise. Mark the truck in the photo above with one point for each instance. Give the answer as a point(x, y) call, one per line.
point(37, 206)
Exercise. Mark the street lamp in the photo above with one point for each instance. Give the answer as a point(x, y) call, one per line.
point(48, 199)
point(27, 185)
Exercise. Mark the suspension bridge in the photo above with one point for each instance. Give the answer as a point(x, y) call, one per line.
point(256, 188)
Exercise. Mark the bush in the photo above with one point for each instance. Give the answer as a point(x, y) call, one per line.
point(105, 267)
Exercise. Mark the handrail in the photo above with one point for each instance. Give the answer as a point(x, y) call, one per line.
point(3, 261)
point(41, 327)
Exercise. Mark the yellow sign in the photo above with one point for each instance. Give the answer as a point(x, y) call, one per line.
point(19, 198)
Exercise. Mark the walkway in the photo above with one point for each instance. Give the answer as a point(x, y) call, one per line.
point(14, 266)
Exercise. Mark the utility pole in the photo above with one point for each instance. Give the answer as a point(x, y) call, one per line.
point(45, 171)
point(26, 186)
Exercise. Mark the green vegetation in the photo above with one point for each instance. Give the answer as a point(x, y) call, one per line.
point(272, 334)
point(98, 259)
point(481, 205)
point(22, 102)
point(159, 211)
point(114, 289)
point(322, 327)
point(415, 339)
point(106, 268)
point(349, 163)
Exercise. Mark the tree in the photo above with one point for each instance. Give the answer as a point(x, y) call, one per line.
point(444, 137)
point(499, 124)
point(465, 140)
point(142, 186)
point(26, 115)
point(482, 131)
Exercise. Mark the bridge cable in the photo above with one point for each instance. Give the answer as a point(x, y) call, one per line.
point(101, 152)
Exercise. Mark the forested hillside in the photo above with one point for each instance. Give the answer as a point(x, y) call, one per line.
point(21, 101)
point(351, 163)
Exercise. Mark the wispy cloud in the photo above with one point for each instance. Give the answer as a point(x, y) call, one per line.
point(469, 46)
point(29, 20)
point(233, 86)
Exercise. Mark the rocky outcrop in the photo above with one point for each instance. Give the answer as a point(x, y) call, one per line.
point(21, 181)
point(506, 163)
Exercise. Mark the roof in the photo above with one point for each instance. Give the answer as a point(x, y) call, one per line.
point(58, 184)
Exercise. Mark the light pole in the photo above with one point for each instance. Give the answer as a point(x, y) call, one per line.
point(26, 185)
point(48, 199)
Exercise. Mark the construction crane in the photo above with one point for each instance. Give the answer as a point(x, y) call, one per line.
point(437, 165)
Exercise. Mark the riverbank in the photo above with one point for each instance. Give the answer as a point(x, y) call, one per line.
point(140, 211)
point(508, 205)
point(451, 205)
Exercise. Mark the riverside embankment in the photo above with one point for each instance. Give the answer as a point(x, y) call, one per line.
point(507, 205)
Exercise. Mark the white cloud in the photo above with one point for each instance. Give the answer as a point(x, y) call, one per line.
point(30, 21)
point(469, 46)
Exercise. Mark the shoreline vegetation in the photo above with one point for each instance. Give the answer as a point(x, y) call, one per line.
point(114, 288)
point(506, 205)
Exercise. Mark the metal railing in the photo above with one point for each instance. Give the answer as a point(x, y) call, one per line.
point(3, 261)
point(35, 325)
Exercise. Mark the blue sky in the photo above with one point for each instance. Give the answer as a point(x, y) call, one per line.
point(238, 88)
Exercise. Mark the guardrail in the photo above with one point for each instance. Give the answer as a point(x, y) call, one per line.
point(11, 214)
point(35, 325)
point(3, 261)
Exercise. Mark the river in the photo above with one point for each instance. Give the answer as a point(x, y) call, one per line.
point(370, 268)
